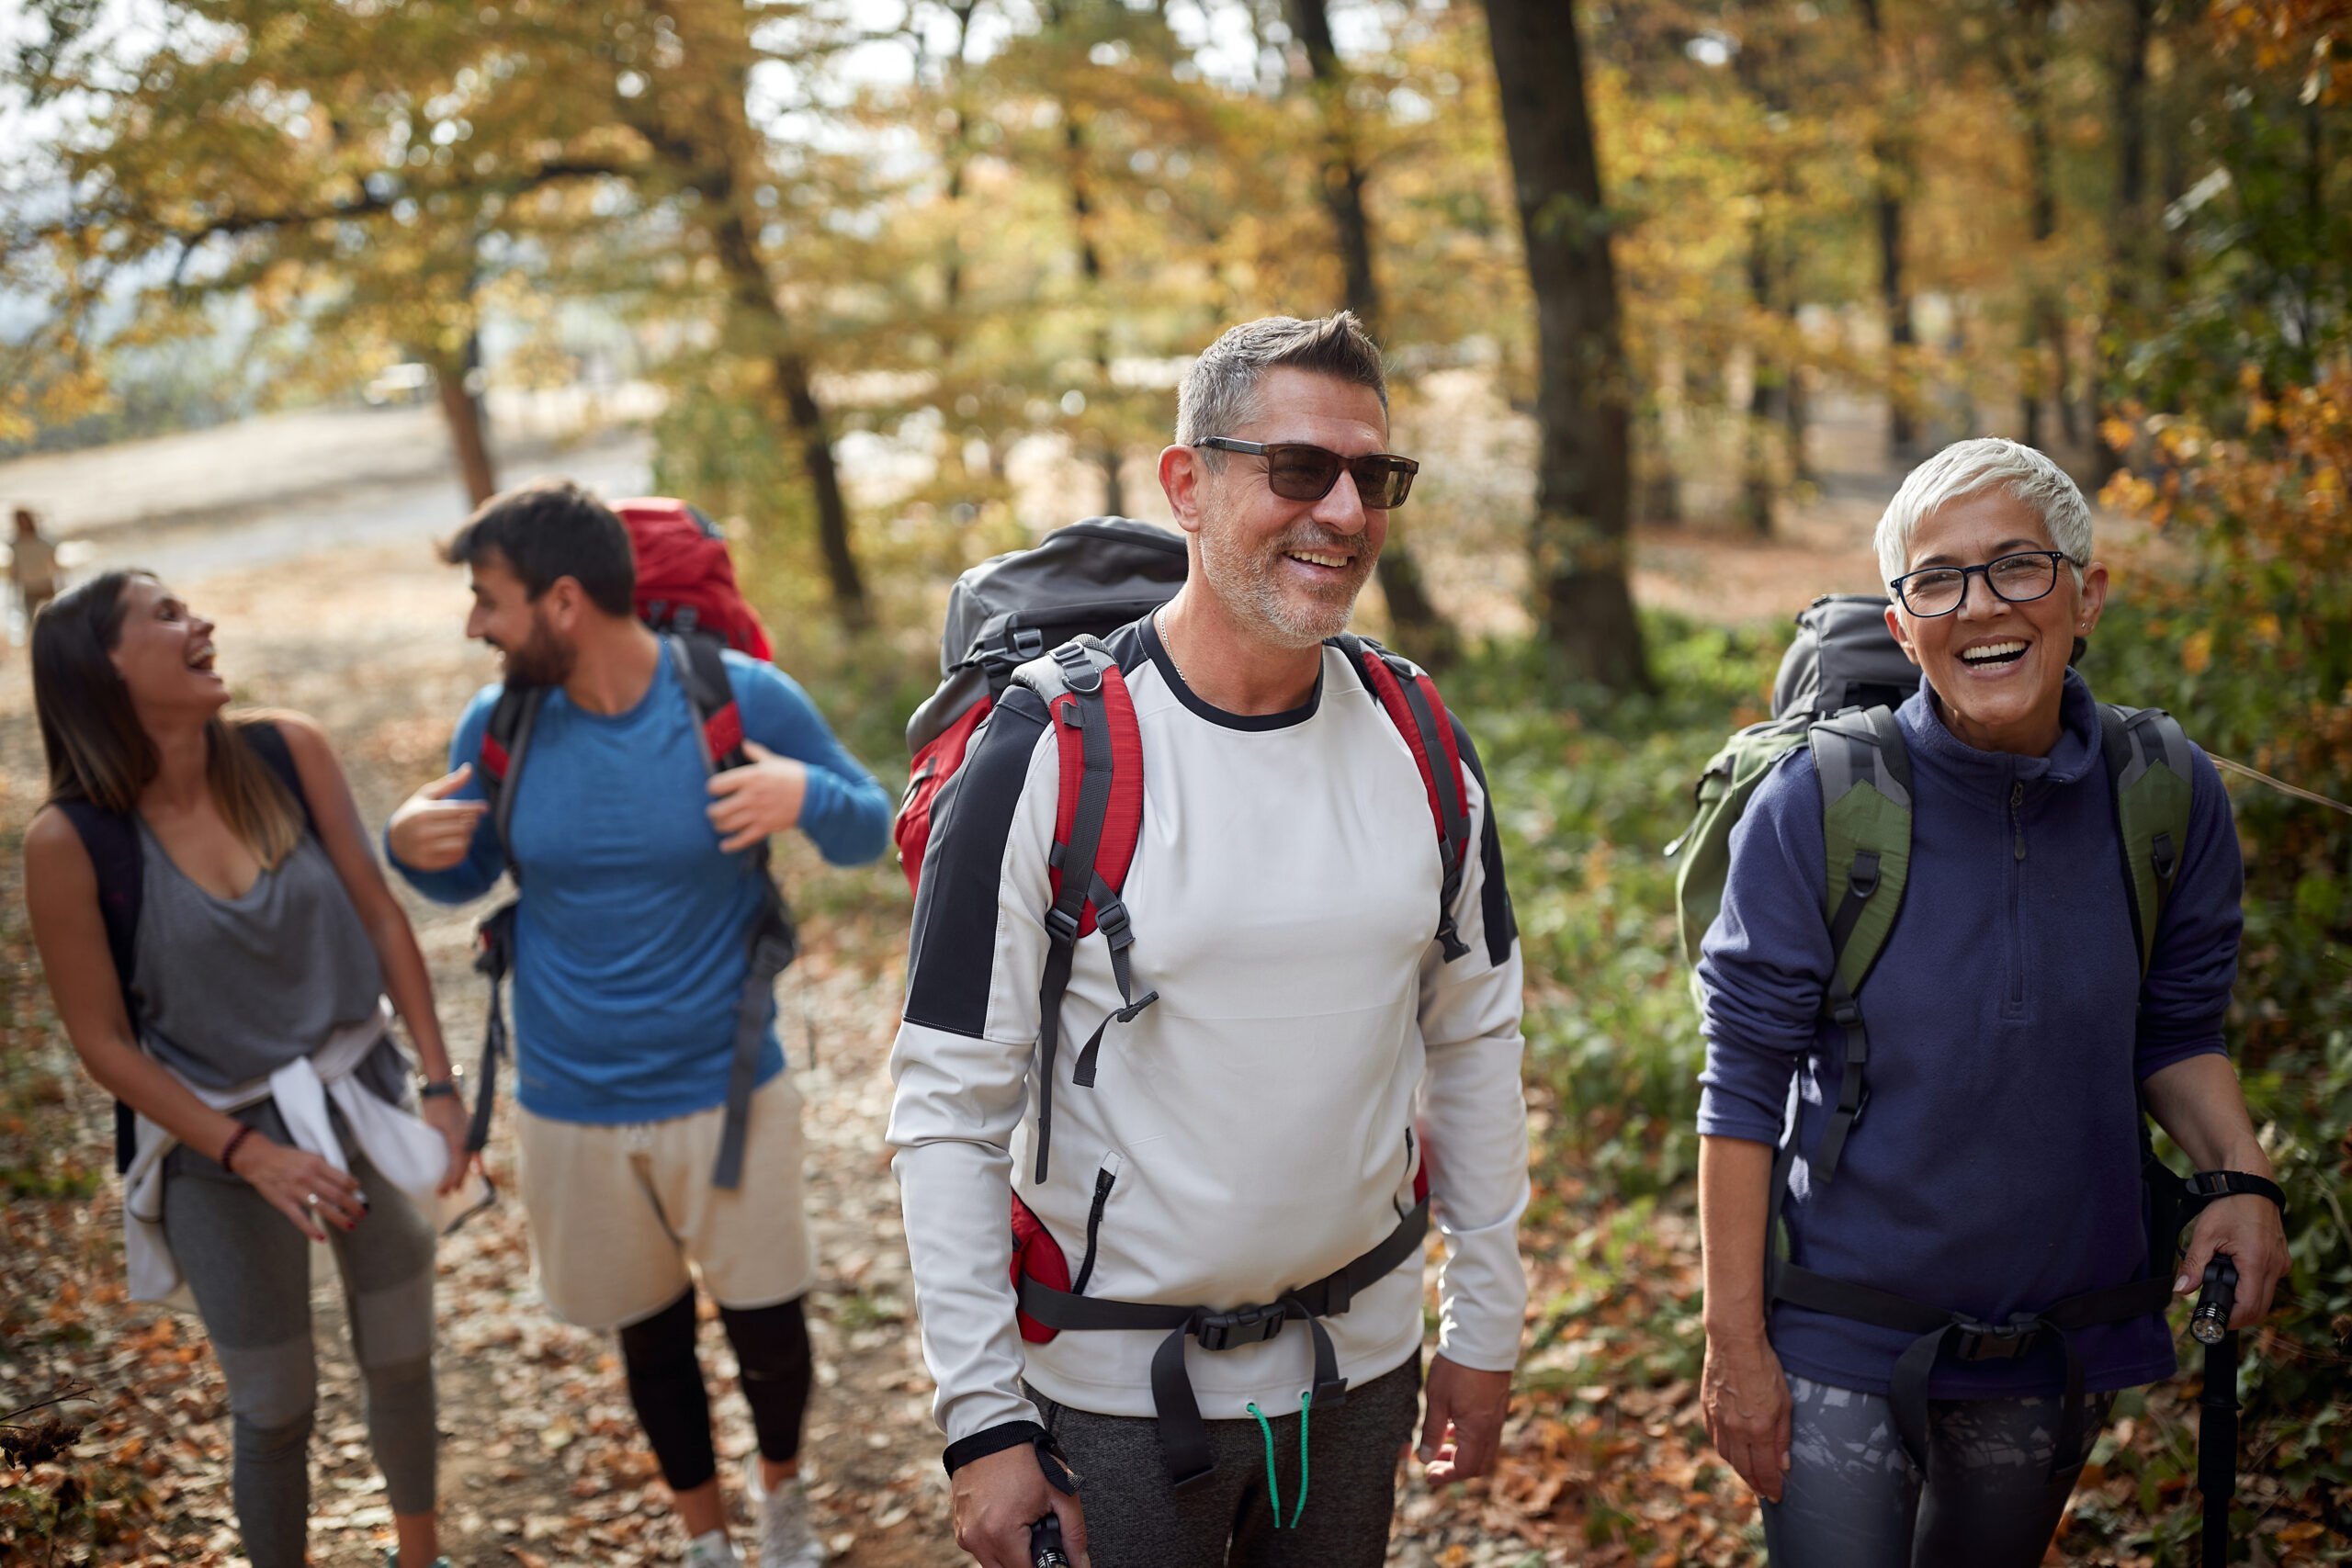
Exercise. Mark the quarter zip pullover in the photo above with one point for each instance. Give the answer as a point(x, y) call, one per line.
point(1995, 1168)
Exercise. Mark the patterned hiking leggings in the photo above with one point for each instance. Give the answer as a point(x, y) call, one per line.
point(1853, 1499)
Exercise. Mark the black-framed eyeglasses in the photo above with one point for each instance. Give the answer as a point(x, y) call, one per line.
point(1296, 470)
point(2020, 578)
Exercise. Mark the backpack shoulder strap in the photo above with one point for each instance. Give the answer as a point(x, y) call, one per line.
point(504, 742)
point(1865, 775)
point(772, 943)
point(2148, 777)
point(1409, 698)
point(700, 660)
point(268, 739)
point(1097, 820)
point(111, 840)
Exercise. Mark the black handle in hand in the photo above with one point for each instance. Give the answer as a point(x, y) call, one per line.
point(1045, 1543)
point(2216, 1302)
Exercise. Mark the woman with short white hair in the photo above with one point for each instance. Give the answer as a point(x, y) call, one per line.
point(1969, 1277)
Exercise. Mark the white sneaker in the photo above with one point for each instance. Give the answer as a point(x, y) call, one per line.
point(785, 1539)
point(712, 1550)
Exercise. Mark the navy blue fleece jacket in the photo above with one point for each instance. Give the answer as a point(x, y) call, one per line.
point(1995, 1167)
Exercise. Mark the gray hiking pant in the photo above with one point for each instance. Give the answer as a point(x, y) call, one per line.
point(1134, 1520)
point(1853, 1499)
point(250, 1271)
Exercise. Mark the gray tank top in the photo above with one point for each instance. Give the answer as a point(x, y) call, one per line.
point(231, 989)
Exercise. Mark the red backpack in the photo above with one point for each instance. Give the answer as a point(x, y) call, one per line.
point(1086, 580)
point(686, 580)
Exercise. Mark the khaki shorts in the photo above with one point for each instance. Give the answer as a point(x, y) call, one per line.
point(619, 1213)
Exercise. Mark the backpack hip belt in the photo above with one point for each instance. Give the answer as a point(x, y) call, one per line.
point(1971, 1339)
point(1184, 1436)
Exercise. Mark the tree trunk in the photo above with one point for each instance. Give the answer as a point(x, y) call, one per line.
point(1419, 627)
point(1891, 179)
point(755, 301)
point(1089, 268)
point(2128, 250)
point(1756, 486)
point(2046, 359)
point(461, 409)
point(1583, 481)
point(809, 423)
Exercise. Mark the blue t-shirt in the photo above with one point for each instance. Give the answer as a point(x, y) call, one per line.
point(629, 939)
point(1995, 1167)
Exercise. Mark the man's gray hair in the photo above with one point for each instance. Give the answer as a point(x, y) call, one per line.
point(1220, 391)
point(1971, 467)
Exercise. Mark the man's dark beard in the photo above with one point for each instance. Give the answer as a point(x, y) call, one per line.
point(544, 659)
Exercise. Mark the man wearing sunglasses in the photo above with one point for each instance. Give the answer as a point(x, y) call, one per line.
point(1257, 1133)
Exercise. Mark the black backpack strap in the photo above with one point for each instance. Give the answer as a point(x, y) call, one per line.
point(268, 742)
point(117, 861)
point(1184, 1436)
point(498, 767)
point(772, 943)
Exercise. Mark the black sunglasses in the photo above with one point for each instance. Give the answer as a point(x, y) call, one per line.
point(1297, 471)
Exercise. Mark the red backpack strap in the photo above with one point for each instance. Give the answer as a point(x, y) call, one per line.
point(1097, 821)
point(1410, 700)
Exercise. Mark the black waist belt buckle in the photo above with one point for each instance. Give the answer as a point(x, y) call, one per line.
point(1243, 1326)
point(1995, 1341)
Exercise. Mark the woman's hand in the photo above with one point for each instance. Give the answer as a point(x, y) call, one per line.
point(300, 1185)
point(447, 1114)
point(2250, 1230)
point(1745, 1399)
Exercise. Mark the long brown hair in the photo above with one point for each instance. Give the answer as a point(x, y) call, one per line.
point(97, 750)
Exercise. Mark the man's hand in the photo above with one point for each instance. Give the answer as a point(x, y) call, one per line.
point(997, 1498)
point(432, 832)
point(1464, 1428)
point(1743, 1398)
point(2248, 1228)
point(757, 799)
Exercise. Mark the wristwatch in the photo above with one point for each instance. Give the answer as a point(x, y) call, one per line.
point(440, 1089)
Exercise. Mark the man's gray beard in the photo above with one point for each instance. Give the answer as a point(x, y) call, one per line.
point(1255, 598)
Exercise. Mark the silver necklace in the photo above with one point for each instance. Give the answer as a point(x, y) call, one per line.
point(1159, 622)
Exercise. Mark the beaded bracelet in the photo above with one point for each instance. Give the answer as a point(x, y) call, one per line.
point(229, 1149)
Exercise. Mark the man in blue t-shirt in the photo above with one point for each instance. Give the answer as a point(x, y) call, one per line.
point(636, 898)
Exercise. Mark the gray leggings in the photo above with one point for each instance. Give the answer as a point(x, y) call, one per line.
point(1134, 1520)
point(250, 1271)
point(1853, 1498)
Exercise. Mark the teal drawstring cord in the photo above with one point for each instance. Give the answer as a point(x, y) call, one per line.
point(1274, 1487)
point(1305, 1403)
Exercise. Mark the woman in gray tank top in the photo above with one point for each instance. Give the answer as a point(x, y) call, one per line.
point(219, 939)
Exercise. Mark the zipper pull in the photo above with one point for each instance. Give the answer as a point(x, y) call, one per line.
point(2016, 817)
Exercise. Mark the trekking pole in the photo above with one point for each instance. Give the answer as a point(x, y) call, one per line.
point(1045, 1543)
point(2217, 1426)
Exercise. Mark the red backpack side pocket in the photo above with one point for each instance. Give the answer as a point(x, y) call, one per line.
point(933, 767)
point(1036, 1256)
